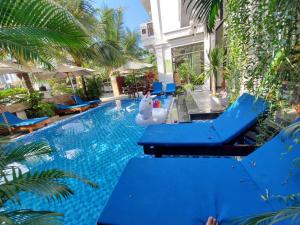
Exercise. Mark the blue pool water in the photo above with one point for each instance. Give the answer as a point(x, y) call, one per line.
point(95, 145)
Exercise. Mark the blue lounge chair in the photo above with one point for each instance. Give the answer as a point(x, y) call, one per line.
point(187, 191)
point(170, 89)
point(23, 125)
point(67, 109)
point(157, 88)
point(186, 138)
point(79, 101)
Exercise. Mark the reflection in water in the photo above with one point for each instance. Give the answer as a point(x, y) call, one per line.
point(8, 172)
point(95, 145)
point(35, 161)
point(77, 127)
point(130, 108)
point(118, 105)
point(72, 154)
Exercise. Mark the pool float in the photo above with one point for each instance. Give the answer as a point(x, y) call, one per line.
point(149, 115)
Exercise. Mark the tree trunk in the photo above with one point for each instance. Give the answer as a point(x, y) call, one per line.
point(213, 83)
point(114, 84)
point(2, 109)
point(27, 81)
point(84, 86)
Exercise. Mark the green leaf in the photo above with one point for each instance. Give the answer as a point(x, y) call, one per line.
point(31, 217)
point(28, 28)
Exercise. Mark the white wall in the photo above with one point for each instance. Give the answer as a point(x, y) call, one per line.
point(8, 78)
point(170, 15)
point(168, 33)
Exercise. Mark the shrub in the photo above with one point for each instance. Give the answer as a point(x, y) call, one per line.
point(185, 72)
point(59, 88)
point(13, 95)
point(39, 108)
point(198, 79)
point(94, 87)
point(130, 80)
point(42, 109)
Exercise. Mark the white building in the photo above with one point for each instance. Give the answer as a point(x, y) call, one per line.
point(173, 38)
point(8, 79)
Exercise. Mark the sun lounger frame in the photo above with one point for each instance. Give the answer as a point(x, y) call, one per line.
point(72, 110)
point(31, 128)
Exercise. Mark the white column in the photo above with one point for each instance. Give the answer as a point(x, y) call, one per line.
point(168, 76)
point(206, 85)
point(156, 19)
point(114, 86)
point(160, 63)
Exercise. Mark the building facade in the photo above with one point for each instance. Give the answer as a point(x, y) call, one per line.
point(174, 38)
point(7, 79)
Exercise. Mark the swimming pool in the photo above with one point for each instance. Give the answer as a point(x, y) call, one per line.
point(95, 145)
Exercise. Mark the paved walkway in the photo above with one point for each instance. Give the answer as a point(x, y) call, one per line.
point(205, 103)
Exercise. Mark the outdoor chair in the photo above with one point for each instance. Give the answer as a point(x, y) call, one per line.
point(188, 190)
point(213, 137)
point(68, 109)
point(157, 88)
point(18, 124)
point(170, 89)
point(80, 101)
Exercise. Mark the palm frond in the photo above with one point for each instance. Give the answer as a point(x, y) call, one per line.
point(108, 54)
point(290, 213)
point(83, 11)
point(22, 153)
point(130, 45)
point(30, 217)
point(27, 28)
point(46, 184)
point(204, 11)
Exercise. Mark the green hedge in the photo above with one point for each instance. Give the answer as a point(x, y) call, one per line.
point(13, 95)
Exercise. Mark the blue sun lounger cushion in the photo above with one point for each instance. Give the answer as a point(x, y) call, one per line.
point(176, 191)
point(157, 88)
point(236, 119)
point(14, 121)
point(170, 88)
point(79, 100)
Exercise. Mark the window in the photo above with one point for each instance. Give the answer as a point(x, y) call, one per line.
point(192, 54)
point(150, 29)
point(144, 31)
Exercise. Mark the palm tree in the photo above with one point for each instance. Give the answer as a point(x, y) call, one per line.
point(86, 14)
point(48, 184)
point(32, 30)
point(116, 43)
point(83, 11)
point(216, 61)
point(205, 11)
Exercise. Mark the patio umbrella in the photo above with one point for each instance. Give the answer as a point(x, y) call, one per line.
point(8, 67)
point(133, 65)
point(65, 70)
point(20, 70)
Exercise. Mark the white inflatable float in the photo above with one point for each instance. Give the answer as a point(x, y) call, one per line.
point(149, 115)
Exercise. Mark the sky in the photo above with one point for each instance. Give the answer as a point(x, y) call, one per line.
point(134, 12)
